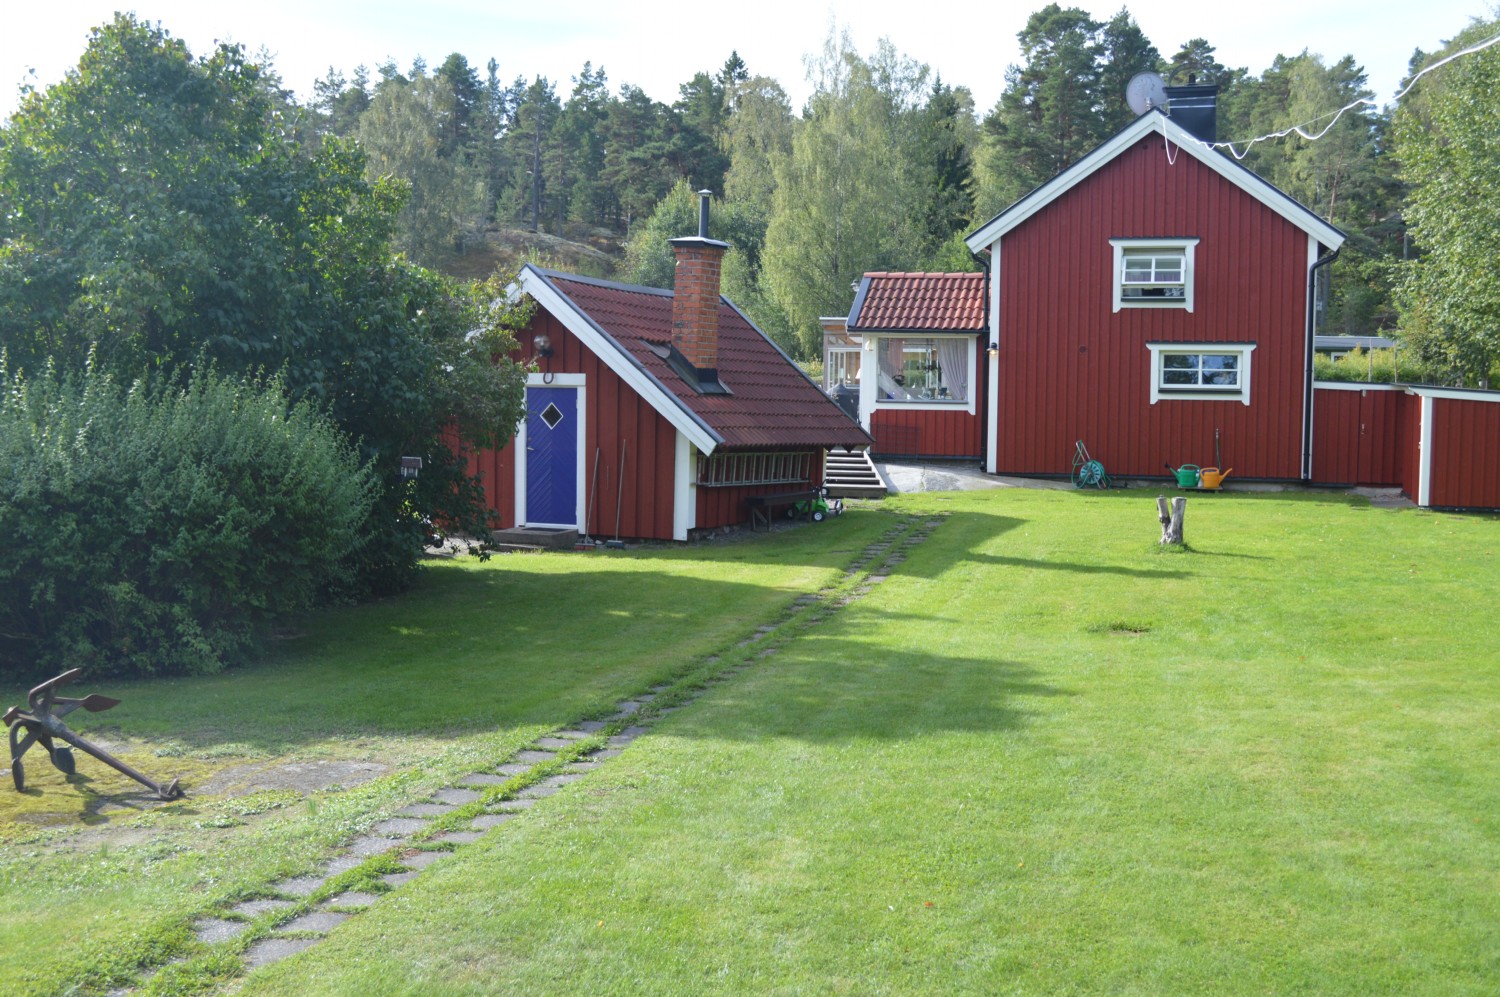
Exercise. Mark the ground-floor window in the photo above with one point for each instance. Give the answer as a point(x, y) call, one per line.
point(1202, 371)
point(933, 369)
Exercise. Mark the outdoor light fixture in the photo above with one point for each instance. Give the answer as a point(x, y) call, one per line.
point(541, 343)
point(410, 466)
point(994, 350)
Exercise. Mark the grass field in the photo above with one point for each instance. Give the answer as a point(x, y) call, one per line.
point(477, 662)
point(1042, 757)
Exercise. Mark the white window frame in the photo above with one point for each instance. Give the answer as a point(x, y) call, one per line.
point(833, 360)
point(1239, 393)
point(1181, 247)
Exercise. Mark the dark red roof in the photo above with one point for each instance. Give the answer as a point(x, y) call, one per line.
point(919, 302)
point(771, 404)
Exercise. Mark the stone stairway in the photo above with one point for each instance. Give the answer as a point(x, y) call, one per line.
point(534, 538)
point(852, 474)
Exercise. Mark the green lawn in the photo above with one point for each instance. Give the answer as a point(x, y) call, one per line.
point(477, 662)
point(1042, 757)
point(1263, 766)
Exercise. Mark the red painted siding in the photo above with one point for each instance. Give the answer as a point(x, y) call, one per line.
point(617, 415)
point(1354, 436)
point(1465, 454)
point(1071, 368)
point(930, 433)
point(726, 506)
point(640, 484)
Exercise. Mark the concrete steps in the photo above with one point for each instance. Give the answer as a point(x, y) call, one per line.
point(852, 474)
point(534, 538)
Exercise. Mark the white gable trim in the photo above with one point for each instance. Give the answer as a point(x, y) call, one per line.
point(668, 405)
point(1176, 140)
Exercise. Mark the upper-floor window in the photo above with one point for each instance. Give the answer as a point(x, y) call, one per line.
point(1153, 273)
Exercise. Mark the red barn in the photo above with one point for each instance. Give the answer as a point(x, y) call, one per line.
point(652, 413)
point(1153, 301)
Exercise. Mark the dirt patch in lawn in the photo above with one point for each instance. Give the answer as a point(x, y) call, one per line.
point(302, 777)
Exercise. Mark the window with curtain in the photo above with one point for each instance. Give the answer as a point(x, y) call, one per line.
point(934, 369)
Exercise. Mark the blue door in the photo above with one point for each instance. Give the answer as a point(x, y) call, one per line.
point(552, 456)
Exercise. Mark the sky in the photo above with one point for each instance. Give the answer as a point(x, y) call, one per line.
point(659, 44)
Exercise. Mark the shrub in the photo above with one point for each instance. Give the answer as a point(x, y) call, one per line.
point(1375, 367)
point(155, 530)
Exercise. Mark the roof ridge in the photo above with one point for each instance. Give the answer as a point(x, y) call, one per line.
point(613, 285)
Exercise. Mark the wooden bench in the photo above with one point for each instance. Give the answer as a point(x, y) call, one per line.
point(761, 506)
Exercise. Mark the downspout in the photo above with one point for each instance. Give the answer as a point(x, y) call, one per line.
point(982, 373)
point(1307, 374)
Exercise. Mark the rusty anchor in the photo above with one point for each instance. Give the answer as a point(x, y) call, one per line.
point(43, 722)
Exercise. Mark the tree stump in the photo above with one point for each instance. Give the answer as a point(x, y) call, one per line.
point(1171, 521)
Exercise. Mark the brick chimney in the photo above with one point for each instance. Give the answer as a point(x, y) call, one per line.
point(695, 298)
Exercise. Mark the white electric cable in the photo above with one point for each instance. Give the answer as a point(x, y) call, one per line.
point(1363, 101)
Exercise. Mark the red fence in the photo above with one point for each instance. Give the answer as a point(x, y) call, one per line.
point(1441, 446)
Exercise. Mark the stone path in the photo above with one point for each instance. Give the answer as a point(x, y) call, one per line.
point(303, 910)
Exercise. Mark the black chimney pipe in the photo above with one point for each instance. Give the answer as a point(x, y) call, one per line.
point(703, 196)
point(1195, 107)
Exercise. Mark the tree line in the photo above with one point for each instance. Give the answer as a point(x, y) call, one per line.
point(885, 167)
point(179, 229)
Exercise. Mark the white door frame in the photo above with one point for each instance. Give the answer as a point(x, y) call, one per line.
point(535, 380)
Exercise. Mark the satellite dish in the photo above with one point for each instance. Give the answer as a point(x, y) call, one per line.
point(1145, 91)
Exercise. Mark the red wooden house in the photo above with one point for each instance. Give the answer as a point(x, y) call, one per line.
point(652, 413)
point(1155, 300)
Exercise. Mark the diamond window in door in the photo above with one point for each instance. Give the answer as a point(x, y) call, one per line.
point(552, 415)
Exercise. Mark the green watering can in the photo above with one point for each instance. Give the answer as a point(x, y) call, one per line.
point(1187, 476)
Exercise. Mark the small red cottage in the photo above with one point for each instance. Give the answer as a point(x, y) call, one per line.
point(654, 413)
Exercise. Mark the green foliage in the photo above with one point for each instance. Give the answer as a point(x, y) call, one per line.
point(759, 135)
point(843, 199)
point(162, 208)
point(648, 257)
point(1448, 143)
point(408, 132)
point(160, 530)
point(154, 203)
point(1064, 99)
point(1376, 367)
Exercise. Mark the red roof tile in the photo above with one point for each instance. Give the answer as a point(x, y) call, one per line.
point(771, 404)
point(919, 302)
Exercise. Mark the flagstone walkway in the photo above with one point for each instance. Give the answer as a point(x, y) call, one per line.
point(304, 910)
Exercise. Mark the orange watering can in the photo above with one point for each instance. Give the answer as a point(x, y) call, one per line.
point(1212, 478)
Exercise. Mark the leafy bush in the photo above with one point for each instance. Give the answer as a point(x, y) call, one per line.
point(1375, 367)
point(161, 530)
